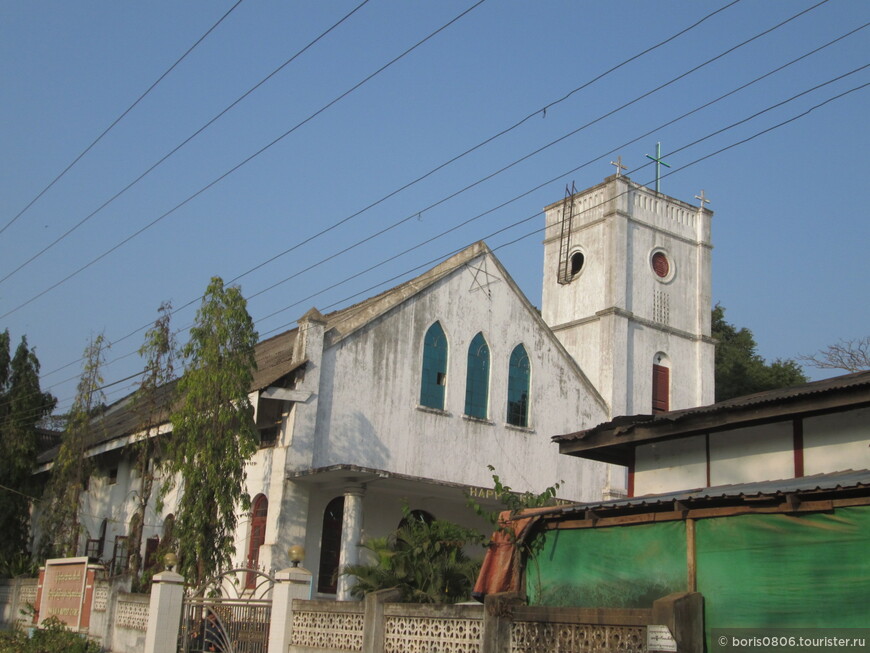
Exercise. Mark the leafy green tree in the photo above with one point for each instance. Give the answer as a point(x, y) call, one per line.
point(425, 560)
point(740, 370)
point(72, 468)
point(22, 406)
point(152, 403)
point(213, 432)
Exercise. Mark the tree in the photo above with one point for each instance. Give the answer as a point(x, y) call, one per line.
point(22, 406)
point(213, 432)
point(72, 468)
point(152, 403)
point(739, 368)
point(848, 355)
point(425, 560)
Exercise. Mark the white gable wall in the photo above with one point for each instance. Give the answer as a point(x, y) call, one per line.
point(369, 413)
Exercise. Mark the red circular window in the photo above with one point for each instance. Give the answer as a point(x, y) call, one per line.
point(660, 264)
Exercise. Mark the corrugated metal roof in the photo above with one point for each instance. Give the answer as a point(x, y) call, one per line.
point(784, 396)
point(843, 480)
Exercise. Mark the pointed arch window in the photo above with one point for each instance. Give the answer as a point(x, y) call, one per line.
point(330, 546)
point(477, 379)
point(260, 509)
point(519, 376)
point(434, 378)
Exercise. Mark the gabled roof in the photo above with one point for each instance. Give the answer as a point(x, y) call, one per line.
point(615, 440)
point(275, 355)
point(275, 358)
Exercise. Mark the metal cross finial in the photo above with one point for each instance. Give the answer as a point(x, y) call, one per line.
point(702, 198)
point(619, 166)
point(659, 163)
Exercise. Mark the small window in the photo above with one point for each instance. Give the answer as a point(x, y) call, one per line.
point(268, 437)
point(434, 377)
point(661, 385)
point(577, 260)
point(152, 544)
point(120, 555)
point(477, 379)
point(92, 549)
point(519, 375)
point(662, 265)
point(113, 476)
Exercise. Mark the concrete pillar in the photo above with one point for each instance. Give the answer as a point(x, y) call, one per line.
point(351, 533)
point(373, 622)
point(497, 620)
point(291, 583)
point(164, 613)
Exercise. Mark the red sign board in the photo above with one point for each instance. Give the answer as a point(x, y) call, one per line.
point(66, 591)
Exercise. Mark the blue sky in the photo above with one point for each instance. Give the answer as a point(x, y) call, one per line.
point(790, 227)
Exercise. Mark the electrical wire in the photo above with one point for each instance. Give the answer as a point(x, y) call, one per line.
point(537, 214)
point(119, 118)
point(673, 80)
point(574, 170)
point(245, 161)
point(180, 145)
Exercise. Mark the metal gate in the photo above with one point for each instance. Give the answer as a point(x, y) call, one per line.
point(229, 614)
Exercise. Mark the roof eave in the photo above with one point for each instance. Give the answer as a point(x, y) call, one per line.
point(616, 443)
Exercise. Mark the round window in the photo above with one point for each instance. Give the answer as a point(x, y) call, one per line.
point(577, 260)
point(660, 264)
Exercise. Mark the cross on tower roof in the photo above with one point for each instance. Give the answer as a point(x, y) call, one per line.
point(659, 163)
point(702, 198)
point(619, 166)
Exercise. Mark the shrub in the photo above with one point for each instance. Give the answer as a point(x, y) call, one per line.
point(52, 637)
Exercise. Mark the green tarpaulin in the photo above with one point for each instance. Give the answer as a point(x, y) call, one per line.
point(618, 567)
point(802, 571)
point(754, 571)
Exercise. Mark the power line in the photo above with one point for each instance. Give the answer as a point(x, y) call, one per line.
point(119, 118)
point(180, 145)
point(659, 127)
point(726, 148)
point(517, 124)
point(483, 142)
point(395, 192)
point(538, 230)
point(245, 161)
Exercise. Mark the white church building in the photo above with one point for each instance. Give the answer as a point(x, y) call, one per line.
point(407, 398)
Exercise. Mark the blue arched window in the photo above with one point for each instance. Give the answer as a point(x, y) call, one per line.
point(434, 378)
point(477, 380)
point(518, 387)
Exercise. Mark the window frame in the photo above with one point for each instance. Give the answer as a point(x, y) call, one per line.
point(477, 378)
point(525, 384)
point(434, 361)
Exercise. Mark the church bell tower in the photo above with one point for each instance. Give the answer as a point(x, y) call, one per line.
point(627, 289)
